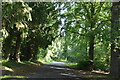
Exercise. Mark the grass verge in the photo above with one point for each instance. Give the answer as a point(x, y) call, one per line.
point(89, 74)
point(11, 76)
point(18, 69)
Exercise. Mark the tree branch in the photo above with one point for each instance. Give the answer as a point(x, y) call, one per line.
point(101, 23)
point(73, 32)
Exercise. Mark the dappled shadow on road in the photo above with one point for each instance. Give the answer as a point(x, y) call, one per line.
point(62, 73)
point(66, 72)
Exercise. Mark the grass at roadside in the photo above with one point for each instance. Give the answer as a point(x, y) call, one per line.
point(19, 69)
point(89, 74)
point(11, 76)
point(74, 65)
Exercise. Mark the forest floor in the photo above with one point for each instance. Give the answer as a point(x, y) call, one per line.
point(32, 71)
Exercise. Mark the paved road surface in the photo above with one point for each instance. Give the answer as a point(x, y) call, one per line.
point(50, 71)
point(57, 72)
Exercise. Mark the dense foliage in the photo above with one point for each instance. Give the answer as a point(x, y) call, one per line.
point(86, 34)
point(33, 26)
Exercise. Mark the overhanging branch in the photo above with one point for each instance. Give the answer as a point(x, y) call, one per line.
point(73, 32)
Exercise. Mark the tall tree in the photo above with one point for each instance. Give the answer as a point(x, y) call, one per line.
point(42, 29)
point(14, 20)
point(115, 40)
point(0, 32)
point(89, 20)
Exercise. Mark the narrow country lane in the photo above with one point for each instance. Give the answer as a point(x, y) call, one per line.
point(50, 71)
point(59, 71)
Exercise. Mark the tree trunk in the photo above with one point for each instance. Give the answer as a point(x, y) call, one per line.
point(92, 35)
point(91, 52)
point(29, 52)
point(114, 64)
point(91, 48)
point(17, 48)
point(8, 51)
